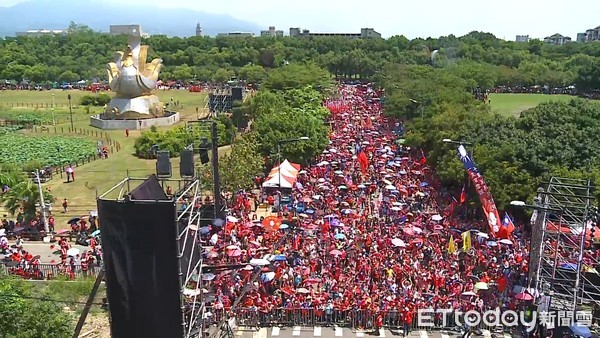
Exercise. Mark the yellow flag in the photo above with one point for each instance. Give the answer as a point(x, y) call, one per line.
point(466, 237)
point(451, 248)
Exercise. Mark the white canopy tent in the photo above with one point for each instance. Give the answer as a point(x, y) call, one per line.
point(274, 181)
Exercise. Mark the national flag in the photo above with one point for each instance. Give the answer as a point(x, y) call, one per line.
point(487, 201)
point(507, 227)
point(463, 195)
point(466, 237)
point(451, 246)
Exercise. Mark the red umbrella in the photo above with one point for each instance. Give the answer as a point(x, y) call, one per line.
point(335, 252)
point(524, 296)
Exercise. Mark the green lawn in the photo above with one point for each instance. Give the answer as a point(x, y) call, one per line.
point(514, 104)
point(97, 176)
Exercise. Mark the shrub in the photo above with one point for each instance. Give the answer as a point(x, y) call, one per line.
point(95, 100)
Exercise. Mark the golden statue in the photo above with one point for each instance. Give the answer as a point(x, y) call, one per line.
point(133, 80)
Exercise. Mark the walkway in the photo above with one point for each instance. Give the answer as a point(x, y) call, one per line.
point(333, 332)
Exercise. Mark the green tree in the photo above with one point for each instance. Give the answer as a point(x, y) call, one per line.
point(238, 168)
point(292, 125)
point(222, 75)
point(69, 77)
point(24, 195)
point(23, 317)
point(298, 76)
point(252, 73)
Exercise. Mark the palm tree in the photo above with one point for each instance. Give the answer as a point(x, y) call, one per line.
point(24, 195)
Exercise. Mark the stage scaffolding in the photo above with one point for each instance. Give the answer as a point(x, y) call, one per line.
point(563, 261)
point(192, 215)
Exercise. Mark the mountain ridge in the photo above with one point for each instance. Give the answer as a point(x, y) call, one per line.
point(99, 16)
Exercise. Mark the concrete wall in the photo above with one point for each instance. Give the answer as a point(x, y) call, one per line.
point(97, 122)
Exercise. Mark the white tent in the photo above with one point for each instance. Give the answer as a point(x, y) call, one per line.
point(274, 181)
point(287, 165)
point(284, 172)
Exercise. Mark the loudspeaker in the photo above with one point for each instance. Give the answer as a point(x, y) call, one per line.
point(204, 156)
point(236, 93)
point(163, 163)
point(186, 163)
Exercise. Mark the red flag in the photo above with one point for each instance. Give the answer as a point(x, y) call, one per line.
point(463, 195)
point(453, 205)
point(364, 162)
point(423, 159)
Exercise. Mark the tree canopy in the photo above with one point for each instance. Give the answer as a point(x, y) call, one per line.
point(487, 60)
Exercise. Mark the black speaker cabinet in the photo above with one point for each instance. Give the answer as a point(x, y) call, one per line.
point(186, 163)
point(163, 164)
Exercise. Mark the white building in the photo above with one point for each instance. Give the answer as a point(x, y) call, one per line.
point(557, 39)
point(135, 30)
point(365, 33)
point(272, 32)
point(236, 34)
point(41, 32)
point(199, 30)
point(522, 38)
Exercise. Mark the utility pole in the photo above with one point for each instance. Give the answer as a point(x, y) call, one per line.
point(71, 113)
point(42, 203)
point(215, 165)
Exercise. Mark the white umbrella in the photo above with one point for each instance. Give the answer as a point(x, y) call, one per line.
point(469, 293)
point(73, 252)
point(232, 219)
point(481, 234)
point(208, 276)
point(191, 292)
point(396, 208)
point(398, 242)
point(390, 187)
point(436, 218)
point(506, 241)
point(259, 262)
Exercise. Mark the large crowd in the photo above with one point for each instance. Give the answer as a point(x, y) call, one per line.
point(368, 228)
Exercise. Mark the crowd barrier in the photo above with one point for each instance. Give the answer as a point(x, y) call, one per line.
point(50, 271)
point(358, 319)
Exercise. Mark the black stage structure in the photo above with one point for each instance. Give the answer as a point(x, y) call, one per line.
point(153, 256)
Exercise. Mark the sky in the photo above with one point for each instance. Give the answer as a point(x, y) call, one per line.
point(505, 19)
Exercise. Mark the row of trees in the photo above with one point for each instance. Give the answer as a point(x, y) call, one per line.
point(516, 154)
point(84, 53)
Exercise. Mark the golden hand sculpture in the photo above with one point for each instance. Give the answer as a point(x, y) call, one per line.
point(130, 75)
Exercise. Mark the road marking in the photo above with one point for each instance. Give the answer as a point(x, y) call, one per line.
point(360, 334)
point(239, 333)
point(275, 331)
point(506, 335)
point(262, 333)
point(423, 334)
point(296, 331)
point(444, 334)
point(486, 333)
point(317, 331)
point(339, 331)
point(382, 333)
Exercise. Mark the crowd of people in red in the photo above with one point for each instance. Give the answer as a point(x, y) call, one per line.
point(368, 230)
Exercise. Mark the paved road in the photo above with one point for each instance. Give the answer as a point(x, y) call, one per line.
point(43, 249)
point(333, 332)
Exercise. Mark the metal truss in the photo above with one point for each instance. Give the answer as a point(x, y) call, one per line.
point(564, 217)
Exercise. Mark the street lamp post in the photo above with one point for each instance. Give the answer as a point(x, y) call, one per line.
point(472, 146)
point(38, 180)
point(279, 143)
point(71, 112)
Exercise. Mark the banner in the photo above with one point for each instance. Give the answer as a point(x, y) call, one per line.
point(487, 201)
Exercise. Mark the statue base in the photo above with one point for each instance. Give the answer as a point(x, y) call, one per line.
point(137, 108)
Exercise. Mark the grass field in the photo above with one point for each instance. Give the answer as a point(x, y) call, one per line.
point(514, 104)
point(97, 176)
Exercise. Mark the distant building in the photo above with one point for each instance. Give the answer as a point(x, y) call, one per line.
point(272, 32)
point(236, 34)
point(199, 30)
point(592, 34)
point(365, 33)
point(41, 32)
point(557, 39)
point(581, 37)
point(522, 38)
point(135, 30)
